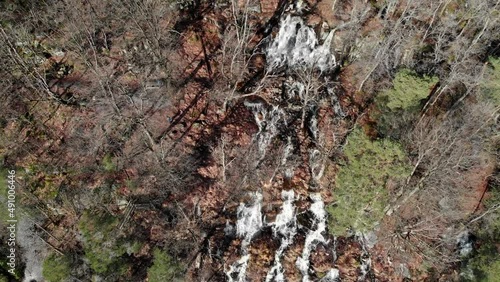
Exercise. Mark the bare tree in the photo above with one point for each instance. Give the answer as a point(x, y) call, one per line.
point(451, 159)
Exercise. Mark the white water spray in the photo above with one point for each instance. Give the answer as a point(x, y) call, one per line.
point(313, 127)
point(316, 165)
point(287, 151)
point(314, 236)
point(334, 101)
point(267, 121)
point(284, 227)
point(295, 89)
point(296, 45)
point(249, 219)
point(248, 224)
point(331, 276)
point(366, 262)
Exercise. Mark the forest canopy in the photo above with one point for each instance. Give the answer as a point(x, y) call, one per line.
point(198, 140)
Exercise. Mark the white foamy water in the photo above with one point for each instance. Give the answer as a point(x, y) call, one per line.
point(465, 244)
point(228, 229)
point(239, 268)
point(295, 90)
point(259, 112)
point(316, 165)
point(296, 45)
point(331, 276)
point(270, 129)
point(313, 127)
point(314, 236)
point(365, 260)
point(267, 121)
point(249, 219)
point(248, 224)
point(287, 152)
point(334, 101)
point(285, 227)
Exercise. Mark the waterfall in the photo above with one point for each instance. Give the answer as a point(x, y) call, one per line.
point(270, 129)
point(284, 227)
point(268, 122)
point(294, 89)
point(313, 127)
point(288, 151)
point(334, 249)
point(335, 103)
point(249, 219)
point(228, 229)
point(239, 268)
point(258, 111)
point(316, 165)
point(465, 243)
point(366, 262)
point(331, 276)
point(314, 236)
point(365, 266)
point(248, 224)
point(296, 45)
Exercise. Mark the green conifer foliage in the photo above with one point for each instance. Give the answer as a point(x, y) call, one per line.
point(360, 188)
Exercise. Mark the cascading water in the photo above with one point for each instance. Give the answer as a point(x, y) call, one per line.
point(284, 227)
point(366, 262)
point(228, 229)
point(287, 151)
point(334, 249)
point(296, 45)
point(313, 126)
point(295, 89)
point(334, 101)
point(314, 236)
point(331, 276)
point(258, 111)
point(238, 269)
point(465, 244)
point(248, 224)
point(316, 165)
point(249, 219)
point(267, 121)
